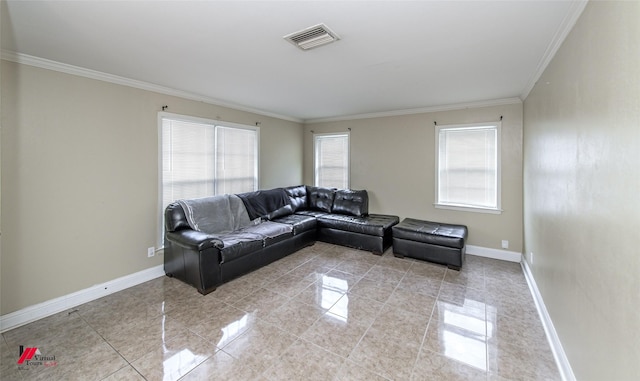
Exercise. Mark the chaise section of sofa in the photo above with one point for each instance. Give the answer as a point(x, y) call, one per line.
point(371, 232)
point(212, 240)
point(343, 218)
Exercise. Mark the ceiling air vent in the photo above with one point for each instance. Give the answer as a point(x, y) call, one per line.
point(312, 37)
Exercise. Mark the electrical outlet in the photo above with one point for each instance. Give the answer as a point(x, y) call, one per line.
point(505, 244)
point(531, 257)
point(151, 252)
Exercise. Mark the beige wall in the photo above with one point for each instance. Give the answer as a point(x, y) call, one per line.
point(2, 5)
point(80, 178)
point(394, 159)
point(582, 184)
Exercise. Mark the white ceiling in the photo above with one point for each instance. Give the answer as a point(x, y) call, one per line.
point(393, 55)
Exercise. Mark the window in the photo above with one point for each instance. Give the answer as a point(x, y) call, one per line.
point(331, 160)
point(236, 160)
point(468, 167)
point(201, 157)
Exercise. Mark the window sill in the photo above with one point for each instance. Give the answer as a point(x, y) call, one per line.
point(473, 209)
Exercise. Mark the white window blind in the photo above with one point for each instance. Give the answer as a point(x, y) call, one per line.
point(331, 152)
point(467, 166)
point(187, 160)
point(201, 158)
point(236, 160)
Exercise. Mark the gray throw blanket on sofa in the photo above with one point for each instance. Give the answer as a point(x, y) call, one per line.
point(216, 214)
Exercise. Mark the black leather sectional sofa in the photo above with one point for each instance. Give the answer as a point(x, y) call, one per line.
point(212, 240)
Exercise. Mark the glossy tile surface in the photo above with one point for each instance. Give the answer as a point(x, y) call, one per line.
point(324, 313)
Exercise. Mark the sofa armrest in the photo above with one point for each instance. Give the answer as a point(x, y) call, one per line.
point(194, 239)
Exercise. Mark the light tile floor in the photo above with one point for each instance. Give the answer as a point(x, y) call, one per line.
point(324, 313)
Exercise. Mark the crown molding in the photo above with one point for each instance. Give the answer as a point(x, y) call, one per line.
point(422, 110)
point(44, 63)
point(561, 34)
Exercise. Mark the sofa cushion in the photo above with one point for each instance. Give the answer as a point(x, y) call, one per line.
point(351, 202)
point(299, 222)
point(238, 244)
point(297, 197)
point(252, 238)
point(321, 198)
point(268, 229)
point(373, 224)
point(312, 213)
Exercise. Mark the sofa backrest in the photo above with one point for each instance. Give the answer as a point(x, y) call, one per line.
point(351, 202)
point(298, 197)
point(262, 203)
point(321, 198)
point(216, 214)
point(229, 212)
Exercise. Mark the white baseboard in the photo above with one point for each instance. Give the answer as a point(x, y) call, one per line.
point(554, 341)
point(505, 255)
point(53, 306)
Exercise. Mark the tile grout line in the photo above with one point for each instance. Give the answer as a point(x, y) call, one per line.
point(503, 276)
point(424, 335)
point(262, 319)
point(109, 344)
point(374, 320)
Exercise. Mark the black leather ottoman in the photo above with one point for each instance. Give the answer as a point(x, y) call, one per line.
point(371, 232)
point(430, 241)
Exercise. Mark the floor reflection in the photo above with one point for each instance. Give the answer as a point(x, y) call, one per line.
point(472, 324)
point(233, 330)
point(332, 293)
point(462, 332)
point(340, 310)
point(180, 363)
point(471, 334)
point(467, 349)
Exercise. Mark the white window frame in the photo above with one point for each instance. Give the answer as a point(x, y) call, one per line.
point(462, 206)
point(191, 119)
point(316, 138)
